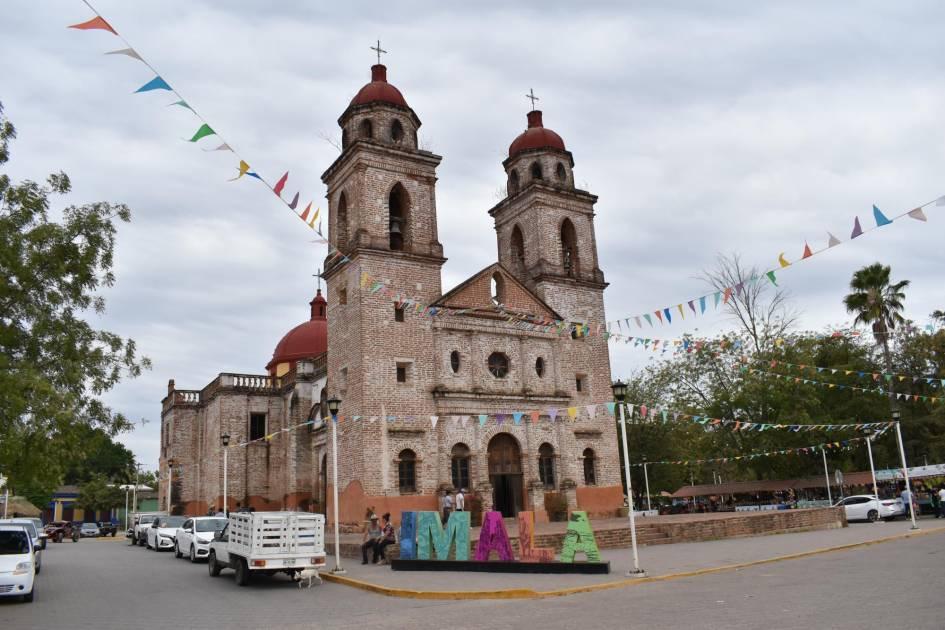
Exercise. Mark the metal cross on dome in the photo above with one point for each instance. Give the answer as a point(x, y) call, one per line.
point(318, 274)
point(531, 96)
point(378, 50)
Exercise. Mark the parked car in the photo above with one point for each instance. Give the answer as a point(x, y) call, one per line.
point(194, 536)
point(866, 507)
point(38, 522)
point(30, 528)
point(58, 530)
point(142, 521)
point(162, 531)
point(268, 543)
point(16, 563)
point(89, 530)
point(107, 529)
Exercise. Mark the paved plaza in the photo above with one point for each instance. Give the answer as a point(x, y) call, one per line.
point(107, 584)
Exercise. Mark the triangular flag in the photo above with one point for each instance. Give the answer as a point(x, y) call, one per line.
point(918, 215)
point(832, 240)
point(517, 417)
point(783, 261)
point(482, 419)
point(682, 313)
point(610, 408)
point(295, 201)
point(591, 411)
point(881, 219)
point(244, 168)
point(203, 132)
point(183, 103)
point(311, 223)
point(648, 320)
point(857, 230)
point(572, 412)
point(702, 305)
point(692, 305)
point(669, 318)
point(807, 252)
point(434, 420)
point(128, 52)
point(157, 83)
point(552, 414)
point(659, 316)
point(771, 277)
point(728, 294)
point(96, 23)
point(222, 147)
point(280, 184)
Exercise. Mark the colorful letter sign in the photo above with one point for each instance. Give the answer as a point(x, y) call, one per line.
point(493, 537)
point(408, 535)
point(430, 528)
point(579, 537)
point(526, 540)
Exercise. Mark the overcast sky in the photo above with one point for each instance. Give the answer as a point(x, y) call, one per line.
point(704, 128)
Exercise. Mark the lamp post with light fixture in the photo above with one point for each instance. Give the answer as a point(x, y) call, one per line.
point(620, 394)
point(905, 468)
point(225, 440)
point(333, 405)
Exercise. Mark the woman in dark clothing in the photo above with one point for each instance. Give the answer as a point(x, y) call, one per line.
point(387, 538)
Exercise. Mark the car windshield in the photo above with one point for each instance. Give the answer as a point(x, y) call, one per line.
point(89, 526)
point(172, 521)
point(211, 525)
point(14, 542)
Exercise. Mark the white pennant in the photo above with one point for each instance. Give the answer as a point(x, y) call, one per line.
point(222, 147)
point(128, 52)
point(918, 215)
point(434, 420)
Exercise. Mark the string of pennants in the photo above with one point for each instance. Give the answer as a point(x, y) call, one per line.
point(205, 130)
point(803, 450)
point(875, 390)
point(695, 307)
point(889, 377)
point(590, 412)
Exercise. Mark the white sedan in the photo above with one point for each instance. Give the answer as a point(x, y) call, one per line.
point(194, 536)
point(866, 507)
point(162, 531)
point(17, 574)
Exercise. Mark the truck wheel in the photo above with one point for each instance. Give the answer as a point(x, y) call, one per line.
point(212, 565)
point(242, 572)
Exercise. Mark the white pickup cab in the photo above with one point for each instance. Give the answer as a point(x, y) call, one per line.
point(267, 543)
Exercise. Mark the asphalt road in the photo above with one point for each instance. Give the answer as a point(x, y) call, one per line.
point(105, 584)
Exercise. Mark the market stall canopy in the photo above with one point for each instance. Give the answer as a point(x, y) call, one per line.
point(769, 485)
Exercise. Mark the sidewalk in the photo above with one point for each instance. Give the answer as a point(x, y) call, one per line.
point(658, 561)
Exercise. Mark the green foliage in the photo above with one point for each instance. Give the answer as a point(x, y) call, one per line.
point(97, 494)
point(54, 365)
point(99, 454)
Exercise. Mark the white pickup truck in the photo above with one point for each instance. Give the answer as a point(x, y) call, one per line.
point(268, 543)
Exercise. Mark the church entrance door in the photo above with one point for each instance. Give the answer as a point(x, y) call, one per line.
point(505, 474)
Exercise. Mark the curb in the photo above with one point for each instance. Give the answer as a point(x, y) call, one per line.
point(526, 593)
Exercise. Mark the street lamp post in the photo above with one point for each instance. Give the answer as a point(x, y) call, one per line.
point(333, 405)
point(170, 481)
point(869, 451)
point(225, 439)
point(620, 394)
point(134, 492)
point(646, 482)
point(827, 476)
point(905, 468)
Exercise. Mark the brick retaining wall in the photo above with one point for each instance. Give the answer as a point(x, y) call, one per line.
point(662, 533)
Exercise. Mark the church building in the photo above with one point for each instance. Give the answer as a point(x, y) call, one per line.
point(413, 381)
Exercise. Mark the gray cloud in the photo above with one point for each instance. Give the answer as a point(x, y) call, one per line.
point(704, 127)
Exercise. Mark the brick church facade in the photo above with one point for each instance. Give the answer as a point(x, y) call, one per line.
point(383, 359)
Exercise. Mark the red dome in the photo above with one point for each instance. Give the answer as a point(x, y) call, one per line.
point(379, 90)
point(536, 137)
point(305, 340)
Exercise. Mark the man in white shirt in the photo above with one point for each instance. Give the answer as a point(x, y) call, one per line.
point(906, 496)
point(461, 500)
point(941, 502)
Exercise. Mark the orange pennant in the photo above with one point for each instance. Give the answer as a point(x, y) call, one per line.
point(96, 23)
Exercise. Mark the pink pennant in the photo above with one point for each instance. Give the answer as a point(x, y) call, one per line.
point(280, 184)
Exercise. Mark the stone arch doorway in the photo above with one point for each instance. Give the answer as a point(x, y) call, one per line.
point(505, 474)
point(323, 485)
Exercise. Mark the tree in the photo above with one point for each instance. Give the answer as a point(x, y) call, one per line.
point(98, 454)
point(54, 365)
point(98, 495)
point(875, 301)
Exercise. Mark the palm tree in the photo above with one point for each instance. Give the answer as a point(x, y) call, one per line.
point(878, 303)
point(938, 316)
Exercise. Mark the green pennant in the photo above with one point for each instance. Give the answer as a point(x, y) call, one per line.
point(203, 132)
point(771, 277)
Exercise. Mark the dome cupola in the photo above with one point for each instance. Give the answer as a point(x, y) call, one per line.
point(305, 341)
point(537, 136)
point(379, 90)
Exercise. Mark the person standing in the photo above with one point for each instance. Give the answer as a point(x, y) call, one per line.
point(906, 496)
point(447, 505)
point(941, 502)
point(371, 540)
point(460, 501)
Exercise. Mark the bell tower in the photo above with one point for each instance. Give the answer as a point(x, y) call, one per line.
point(382, 218)
point(545, 236)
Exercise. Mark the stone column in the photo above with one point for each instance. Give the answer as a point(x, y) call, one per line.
point(536, 499)
point(569, 488)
